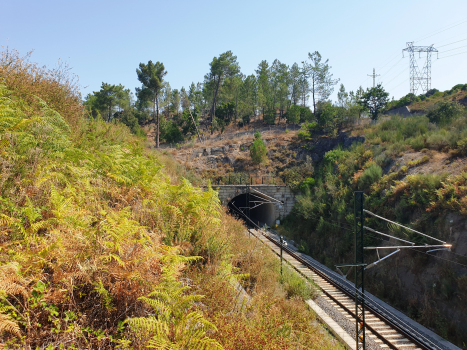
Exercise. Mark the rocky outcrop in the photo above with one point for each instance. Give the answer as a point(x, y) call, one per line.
point(316, 149)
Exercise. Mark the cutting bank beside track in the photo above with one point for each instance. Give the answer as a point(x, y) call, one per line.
point(387, 327)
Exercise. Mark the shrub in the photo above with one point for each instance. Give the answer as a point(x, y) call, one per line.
point(307, 184)
point(293, 115)
point(258, 150)
point(437, 141)
point(417, 143)
point(172, 133)
point(462, 146)
point(369, 176)
point(303, 135)
point(444, 112)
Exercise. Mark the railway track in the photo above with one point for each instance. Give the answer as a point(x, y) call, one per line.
point(382, 326)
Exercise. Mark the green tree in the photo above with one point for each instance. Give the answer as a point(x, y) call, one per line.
point(295, 81)
point(248, 97)
point(444, 112)
point(189, 119)
point(374, 100)
point(224, 66)
point(258, 150)
point(108, 98)
point(342, 97)
point(263, 81)
point(328, 117)
point(293, 114)
point(151, 76)
point(185, 101)
point(225, 112)
point(321, 81)
point(269, 116)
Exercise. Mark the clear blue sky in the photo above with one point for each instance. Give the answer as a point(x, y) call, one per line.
point(104, 41)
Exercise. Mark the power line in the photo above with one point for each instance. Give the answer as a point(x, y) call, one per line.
point(452, 43)
point(460, 53)
point(460, 47)
point(443, 30)
point(392, 59)
point(398, 75)
point(419, 251)
point(404, 81)
point(382, 75)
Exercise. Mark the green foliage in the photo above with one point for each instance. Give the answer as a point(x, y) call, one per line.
point(269, 117)
point(226, 112)
point(303, 135)
point(190, 121)
point(258, 150)
point(107, 98)
point(445, 112)
point(93, 206)
point(375, 100)
point(369, 176)
point(327, 116)
point(295, 176)
point(307, 184)
point(294, 284)
point(293, 114)
point(174, 325)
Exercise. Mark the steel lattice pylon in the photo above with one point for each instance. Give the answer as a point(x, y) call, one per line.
point(419, 79)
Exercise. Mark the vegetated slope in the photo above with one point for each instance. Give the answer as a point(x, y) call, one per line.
point(101, 248)
point(413, 171)
point(424, 102)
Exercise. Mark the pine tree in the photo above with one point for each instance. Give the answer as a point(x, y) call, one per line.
point(258, 150)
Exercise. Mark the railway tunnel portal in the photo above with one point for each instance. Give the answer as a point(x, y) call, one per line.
point(260, 204)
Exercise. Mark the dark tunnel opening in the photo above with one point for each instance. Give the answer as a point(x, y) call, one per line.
point(258, 207)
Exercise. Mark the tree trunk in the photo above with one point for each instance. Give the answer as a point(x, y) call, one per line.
point(213, 109)
point(236, 102)
point(313, 92)
point(156, 107)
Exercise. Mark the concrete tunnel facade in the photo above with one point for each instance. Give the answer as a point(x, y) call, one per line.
point(268, 203)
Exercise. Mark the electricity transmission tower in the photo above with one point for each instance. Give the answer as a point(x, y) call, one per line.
point(374, 76)
point(419, 79)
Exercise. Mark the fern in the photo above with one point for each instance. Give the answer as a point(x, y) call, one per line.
point(7, 325)
point(174, 327)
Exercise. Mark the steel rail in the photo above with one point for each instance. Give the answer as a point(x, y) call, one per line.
point(387, 316)
point(352, 313)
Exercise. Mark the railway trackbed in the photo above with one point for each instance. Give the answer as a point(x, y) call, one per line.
point(384, 328)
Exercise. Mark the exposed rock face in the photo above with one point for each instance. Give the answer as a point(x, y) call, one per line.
point(229, 154)
point(217, 150)
point(211, 162)
point(317, 149)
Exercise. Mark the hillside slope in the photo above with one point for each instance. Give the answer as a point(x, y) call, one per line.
point(104, 245)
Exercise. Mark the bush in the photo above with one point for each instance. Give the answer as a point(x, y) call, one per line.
point(370, 175)
point(173, 133)
point(258, 150)
point(293, 115)
point(304, 135)
point(307, 184)
point(444, 112)
point(437, 141)
point(417, 143)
